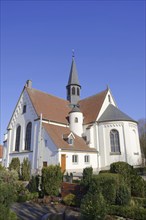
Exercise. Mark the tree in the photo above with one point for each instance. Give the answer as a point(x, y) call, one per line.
point(87, 177)
point(93, 207)
point(25, 169)
point(142, 135)
point(8, 192)
point(15, 165)
point(51, 179)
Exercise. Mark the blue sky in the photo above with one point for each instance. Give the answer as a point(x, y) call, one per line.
point(37, 38)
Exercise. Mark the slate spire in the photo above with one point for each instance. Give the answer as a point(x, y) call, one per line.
point(73, 87)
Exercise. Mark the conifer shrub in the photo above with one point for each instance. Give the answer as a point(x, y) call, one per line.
point(93, 207)
point(70, 199)
point(33, 184)
point(124, 169)
point(15, 165)
point(8, 192)
point(107, 184)
point(51, 180)
point(87, 177)
point(123, 195)
point(137, 186)
point(25, 169)
point(128, 212)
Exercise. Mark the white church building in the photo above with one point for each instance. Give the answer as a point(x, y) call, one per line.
point(74, 133)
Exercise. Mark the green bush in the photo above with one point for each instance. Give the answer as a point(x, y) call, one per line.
point(137, 186)
point(8, 192)
point(140, 170)
point(25, 169)
point(15, 165)
point(137, 201)
point(104, 171)
point(135, 213)
point(107, 184)
point(124, 169)
point(93, 207)
point(70, 199)
point(87, 177)
point(51, 180)
point(33, 184)
point(123, 195)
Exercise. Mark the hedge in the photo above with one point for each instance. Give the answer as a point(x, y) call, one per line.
point(136, 213)
point(112, 188)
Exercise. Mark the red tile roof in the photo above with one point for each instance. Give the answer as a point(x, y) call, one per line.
point(51, 107)
point(90, 107)
point(56, 134)
point(57, 109)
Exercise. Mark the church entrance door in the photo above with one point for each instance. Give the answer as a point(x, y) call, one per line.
point(63, 162)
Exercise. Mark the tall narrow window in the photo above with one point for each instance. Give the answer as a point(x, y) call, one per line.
point(73, 90)
point(78, 91)
point(115, 141)
point(28, 136)
point(17, 143)
point(24, 109)
point(68, 91)
point(109, 98)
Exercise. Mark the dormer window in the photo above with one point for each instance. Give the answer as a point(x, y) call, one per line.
point(24, 109)
point(69, 138)
point(70, 141)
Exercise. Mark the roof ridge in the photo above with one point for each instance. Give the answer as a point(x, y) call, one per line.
point(106, 90)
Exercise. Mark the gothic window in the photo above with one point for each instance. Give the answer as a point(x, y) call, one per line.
point(115, 141)
point(28, 136)
point(76, 120)
point(17, 143)
point(73, 90)
point(24, 109)
point(78, 91)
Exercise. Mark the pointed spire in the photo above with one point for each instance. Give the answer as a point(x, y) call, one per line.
point(73, 77)
point(73, 87)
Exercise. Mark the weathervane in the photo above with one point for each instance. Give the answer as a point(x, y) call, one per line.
point(73, 53)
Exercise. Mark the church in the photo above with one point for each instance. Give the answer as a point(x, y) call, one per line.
point(75, 133)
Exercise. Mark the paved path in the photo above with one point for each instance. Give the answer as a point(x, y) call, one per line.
point(33, 211)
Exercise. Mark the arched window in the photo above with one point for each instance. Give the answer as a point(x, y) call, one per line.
point(17, 143)
point(28, 136)
point(115, 141)
point(78, 91)
point(76, 120)
point(73, 90)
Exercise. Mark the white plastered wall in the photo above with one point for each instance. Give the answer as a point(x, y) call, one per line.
point(80, 165)
point(18, 118)
point(129, 148)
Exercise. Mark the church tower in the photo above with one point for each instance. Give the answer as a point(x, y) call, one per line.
point(73, 87)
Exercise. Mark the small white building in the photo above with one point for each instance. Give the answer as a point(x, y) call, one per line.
point(74, 133)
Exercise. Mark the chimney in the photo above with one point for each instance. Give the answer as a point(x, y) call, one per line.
point(28, 84)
